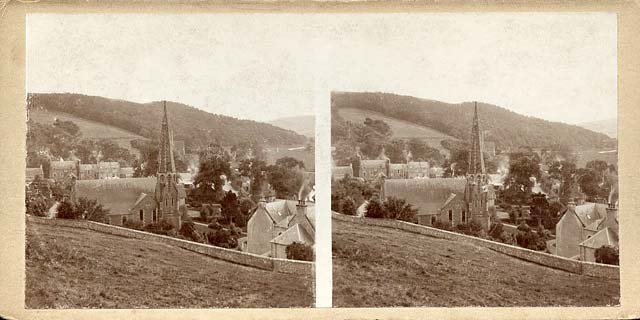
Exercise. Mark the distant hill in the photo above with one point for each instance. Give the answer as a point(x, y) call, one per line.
point(89, 129)
point(383, 267)
point(608, 127)
point(304, 125)
point(196, 127)
point(79, 268)
point(502, 126)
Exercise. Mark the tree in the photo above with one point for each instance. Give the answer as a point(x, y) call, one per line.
point(256, 171)
point(209, 179)
point(223, 237)
point(290, 163)
point(246, 205)
point(66, 210)
point(421, 151)
point(36, 206)
point(91, 210)
point(518, 182)
point(284, 181)
point(608, 255)
point(230, 208)
point(375, 209)
point(399, 209)
point(188, 231)
point(299, 251)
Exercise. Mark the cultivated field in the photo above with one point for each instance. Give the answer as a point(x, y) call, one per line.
point(89, 129)
point(401, 129)
point(77, 268)
point(382, 267)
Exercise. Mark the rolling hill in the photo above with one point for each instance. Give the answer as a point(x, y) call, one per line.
point(608, 127)
point(89, 129)
point(502, 126)
point(79, 268)
point(382, 267)
point(196, 127)
point(304, 125)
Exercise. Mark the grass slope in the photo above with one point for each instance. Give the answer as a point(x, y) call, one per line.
point(381, 267)
point(77, 268)
point(89, 129)
point(304, 125)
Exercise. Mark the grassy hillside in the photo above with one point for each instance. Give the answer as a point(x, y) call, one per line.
point(89, 129)
point(608, 127)
point(506, 128)
point(401, 129)
point(308, 157)
point(304, 125)
point(196, 127)
point(77, 268)
point(381, 267)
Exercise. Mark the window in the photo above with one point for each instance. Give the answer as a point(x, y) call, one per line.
point(451, 215)
point(433, 220)
point(464, 216)
point(155, 215)
point(141, 215)
point(124, 219)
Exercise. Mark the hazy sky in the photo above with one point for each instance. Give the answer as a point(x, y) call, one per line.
point(559, 67)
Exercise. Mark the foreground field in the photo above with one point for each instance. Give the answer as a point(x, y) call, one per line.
point(382, 267)
point(77, 268)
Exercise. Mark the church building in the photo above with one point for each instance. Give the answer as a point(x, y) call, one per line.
point(451, 200)
point(145, 200)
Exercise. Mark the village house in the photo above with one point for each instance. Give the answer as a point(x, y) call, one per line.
point(61, 169)
point(418, 169)
point(275, 225)
point(339, 172)
point(32, 173)
point(146, 200)
point(108, 169)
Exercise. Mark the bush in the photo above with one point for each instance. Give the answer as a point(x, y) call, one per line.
point(348, 206)
point(472, 228)
point(133, 224)
point(399, 209)
point(299, 251)
point(223, 237)
point(91, 210)
point(189, 232)
point(607, 255)
point(163, 228)
point(66, 210)
point(374, 209)
point(442, 225)
point(36, 206)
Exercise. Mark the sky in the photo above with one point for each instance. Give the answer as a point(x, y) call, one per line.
point(264, 66)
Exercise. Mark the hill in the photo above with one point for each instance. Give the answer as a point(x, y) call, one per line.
point(89, 129)
point(608, 127)
point(304, 125)
point(382, 267)
point(78, 268)
point(196, 127)
point(506, 128)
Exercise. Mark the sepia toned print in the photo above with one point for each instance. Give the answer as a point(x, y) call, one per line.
point(136, 202)
point(478, 203)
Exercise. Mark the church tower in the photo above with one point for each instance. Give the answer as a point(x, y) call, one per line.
point(166, 193)
point(477, 192)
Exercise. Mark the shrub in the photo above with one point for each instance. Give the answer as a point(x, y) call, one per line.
point(36, 206)
point(348, 206)
point(91, 210)
point(399, 209)
point(223, 237)
point(472, 228)
point(608, 255)
point(163, 227)
point(189, 232)
point(66, 210)
point(299, 251)
point(442, 225)
point(375, 209)
point(133, 224)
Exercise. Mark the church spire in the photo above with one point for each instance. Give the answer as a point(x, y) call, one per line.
point(165, 155)
point(476, 160)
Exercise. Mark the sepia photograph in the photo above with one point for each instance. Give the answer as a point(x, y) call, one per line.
point(479, 172)
point(163, 169)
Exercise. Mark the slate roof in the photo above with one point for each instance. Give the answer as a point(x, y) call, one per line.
point(117, 195)
point(602, 238)
point(294, 234)
point(427, 195)
point(281, 209)
point(588, 213)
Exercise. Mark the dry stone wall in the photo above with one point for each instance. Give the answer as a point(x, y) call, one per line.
point(230, 255)
point(541, 258)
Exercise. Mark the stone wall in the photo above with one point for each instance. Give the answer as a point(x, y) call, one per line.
point(541, 258)
point(230, 255)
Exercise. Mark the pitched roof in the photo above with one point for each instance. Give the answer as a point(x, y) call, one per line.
point(602, 238)
point(590, 212)
point(397, 165)
point(294, 234)
point(418, 164)
point(117, 195)
point(31, 173)
point(373, 163)
point(427, 195)
point(63, 164)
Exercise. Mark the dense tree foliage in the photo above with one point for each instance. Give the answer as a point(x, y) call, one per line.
point(192, 125)
point(349, 189)
point(399, 209)
point(608, 255)
point(299, 251)
point(91, 210)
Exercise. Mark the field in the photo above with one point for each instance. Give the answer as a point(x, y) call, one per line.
point(77, 268)
point(401, 129)
point(382, 267)
point(306, 156)
point(89, 129)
